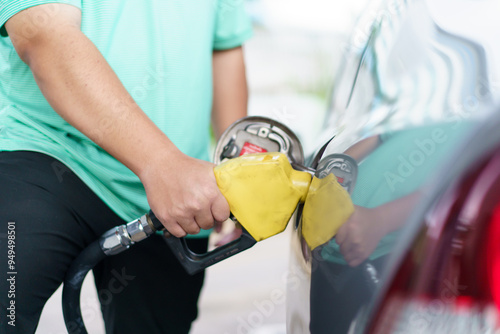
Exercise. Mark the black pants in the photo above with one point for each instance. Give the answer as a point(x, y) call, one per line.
point(47, 216)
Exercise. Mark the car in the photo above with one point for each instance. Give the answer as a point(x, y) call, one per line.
point(415, 106)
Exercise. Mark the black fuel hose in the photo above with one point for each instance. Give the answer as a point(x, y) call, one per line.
point(73, 281)
point(112, 242)
point(119, 239)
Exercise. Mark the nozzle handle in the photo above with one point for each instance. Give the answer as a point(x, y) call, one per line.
point(195, 262)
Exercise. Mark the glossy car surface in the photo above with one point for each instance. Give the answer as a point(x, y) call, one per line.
point(415, 105)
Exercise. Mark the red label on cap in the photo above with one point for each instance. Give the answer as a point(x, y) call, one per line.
point(340, 179)
point(251, 148)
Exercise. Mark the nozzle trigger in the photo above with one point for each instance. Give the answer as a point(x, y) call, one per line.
point(195, 262)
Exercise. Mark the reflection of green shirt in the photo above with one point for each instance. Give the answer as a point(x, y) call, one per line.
point(161, 51)
point(401, 164)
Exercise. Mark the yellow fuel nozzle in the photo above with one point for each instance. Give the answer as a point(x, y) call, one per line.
point(262, 190)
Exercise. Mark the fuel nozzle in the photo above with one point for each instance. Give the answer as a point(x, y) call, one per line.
point(262, 190)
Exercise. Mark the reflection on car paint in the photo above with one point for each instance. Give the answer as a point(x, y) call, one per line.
point(407, 97)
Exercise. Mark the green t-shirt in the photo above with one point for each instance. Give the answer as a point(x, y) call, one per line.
point(161, 51)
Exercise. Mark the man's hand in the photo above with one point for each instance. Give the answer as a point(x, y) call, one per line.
point(360, 235)
point(183, 194)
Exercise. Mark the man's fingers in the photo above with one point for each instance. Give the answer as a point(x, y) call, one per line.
point(190, 226)
point(204, 219)
point(220, 209)
point(180, 227)
point(174, 228)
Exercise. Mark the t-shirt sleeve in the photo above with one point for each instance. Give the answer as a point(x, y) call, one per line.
point(233, 26)
point(9, 8)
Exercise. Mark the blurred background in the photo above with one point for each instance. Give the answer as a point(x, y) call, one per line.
point(291, 63)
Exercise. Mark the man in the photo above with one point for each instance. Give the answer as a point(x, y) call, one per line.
point(104, 113)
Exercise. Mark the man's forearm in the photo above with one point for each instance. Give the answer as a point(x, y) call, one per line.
point(81, 86)
point(230, 89)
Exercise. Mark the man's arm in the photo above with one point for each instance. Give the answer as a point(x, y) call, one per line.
point(230, 89)
point(81, 86)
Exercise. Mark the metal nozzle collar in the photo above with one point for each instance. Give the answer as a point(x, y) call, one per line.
point(139, 229)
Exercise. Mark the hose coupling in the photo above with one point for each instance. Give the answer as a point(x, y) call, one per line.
point(120, 238)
